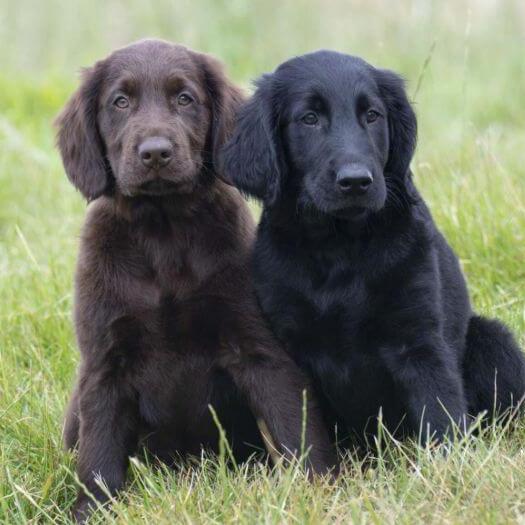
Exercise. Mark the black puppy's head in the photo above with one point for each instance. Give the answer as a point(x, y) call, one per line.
point(327, 130)
point(146, 120)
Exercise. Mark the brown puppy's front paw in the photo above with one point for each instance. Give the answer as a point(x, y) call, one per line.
point(85, 506)
point(82, 508)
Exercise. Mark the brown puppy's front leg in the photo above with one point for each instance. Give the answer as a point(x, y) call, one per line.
point(273, 386)
point(267, 438)
point(108, 423)
point(72, 421)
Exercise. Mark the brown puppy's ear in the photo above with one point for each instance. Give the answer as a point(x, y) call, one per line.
point(78, 138)
point(226, 99)
point(402, 123)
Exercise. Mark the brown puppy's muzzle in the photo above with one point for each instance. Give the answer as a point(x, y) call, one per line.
point(155, 152)
point(155, 162)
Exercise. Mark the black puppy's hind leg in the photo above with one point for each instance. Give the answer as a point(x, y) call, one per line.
point(493, 368)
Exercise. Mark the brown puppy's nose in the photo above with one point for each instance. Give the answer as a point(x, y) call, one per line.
point(353, 180)
point(155, 152)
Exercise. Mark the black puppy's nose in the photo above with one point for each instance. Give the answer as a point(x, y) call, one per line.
point(353, 180)
point(155, 152)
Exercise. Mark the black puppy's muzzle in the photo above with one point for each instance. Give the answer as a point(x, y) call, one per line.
point(353, 180)
point(155, 152)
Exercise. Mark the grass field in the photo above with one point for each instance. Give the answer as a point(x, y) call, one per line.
point(465, 66)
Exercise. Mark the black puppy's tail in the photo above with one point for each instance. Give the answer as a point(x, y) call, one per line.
point(493, 368)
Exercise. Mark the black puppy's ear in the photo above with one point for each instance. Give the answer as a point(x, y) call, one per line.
point(402, 123)
point(252, 158)
point(226, 99)
point(78, 138)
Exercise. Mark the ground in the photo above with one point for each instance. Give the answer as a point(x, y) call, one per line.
point(464, 65)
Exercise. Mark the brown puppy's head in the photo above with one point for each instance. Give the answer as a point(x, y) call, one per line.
point(148, 119)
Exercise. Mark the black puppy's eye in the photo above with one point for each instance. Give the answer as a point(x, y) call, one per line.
point(372, 115)
point(184, 99)
point(121, 102)
point(310, 119)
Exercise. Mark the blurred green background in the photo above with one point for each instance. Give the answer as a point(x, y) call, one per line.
point(464, 62)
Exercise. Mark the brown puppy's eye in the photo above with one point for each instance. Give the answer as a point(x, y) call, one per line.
point(372, 115)
point(310, 119)
point(121, 102)
point(184, 99)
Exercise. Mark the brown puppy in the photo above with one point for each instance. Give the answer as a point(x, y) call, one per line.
point(165, 315)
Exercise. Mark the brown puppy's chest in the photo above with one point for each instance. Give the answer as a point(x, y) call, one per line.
point(190, 323)
point(175, 409)
point(173, 299)
point(180, 255)
point(191, 307)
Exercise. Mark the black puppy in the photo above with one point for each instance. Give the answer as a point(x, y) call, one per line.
point(350, 268)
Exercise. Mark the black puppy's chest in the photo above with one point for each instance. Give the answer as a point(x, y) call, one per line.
point(330, 332)
point(328, 328)
point(342, 296)
point(327, 310)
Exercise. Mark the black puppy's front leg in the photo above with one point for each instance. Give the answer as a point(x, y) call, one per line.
point(428, 376)
point(108, 423)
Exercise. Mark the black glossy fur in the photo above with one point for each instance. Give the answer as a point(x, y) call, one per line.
point(360, 286)
point(165, 314)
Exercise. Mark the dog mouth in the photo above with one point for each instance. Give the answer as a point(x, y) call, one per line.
point(333, 203)
point(342, 208)
point(159, 187)
point(352, 213)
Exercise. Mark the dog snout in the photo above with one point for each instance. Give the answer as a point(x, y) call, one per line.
point(155, 152)
point(354, 180)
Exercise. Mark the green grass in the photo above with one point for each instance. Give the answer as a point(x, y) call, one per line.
point(469, 165)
